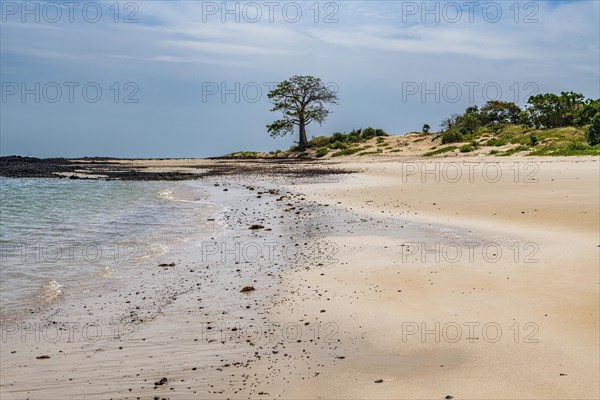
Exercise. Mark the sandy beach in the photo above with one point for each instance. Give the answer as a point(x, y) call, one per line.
point(469, 277)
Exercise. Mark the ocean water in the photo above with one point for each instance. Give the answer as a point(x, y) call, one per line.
point(62, 237)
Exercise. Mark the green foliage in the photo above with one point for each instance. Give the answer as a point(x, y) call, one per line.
point(585, 114)
point(341, 141)
point(577, 145)
point(593, 132)
point(338, 137)
point(380, 140)
point(321, 152)
point(469, 121)
point(440, 151)
point(368, 133)
point(301, 100)
point(497, 112)
point(492, 114)
point(245, 154)
point(346, 152)
point(495, 142)
point(467, 148)
point(551, 111)
point(338, 145)
point(355, 135)
point(366, 153)
point(426, 128)
point(318, 141)
point(514, 150)
point(451, 137)
point(533, 140)
point(566, 151)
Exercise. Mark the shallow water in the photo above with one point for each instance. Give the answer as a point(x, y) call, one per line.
point(61, 236)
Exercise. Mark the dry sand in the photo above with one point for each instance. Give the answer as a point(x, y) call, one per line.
point(544, 299)
point(381, 312)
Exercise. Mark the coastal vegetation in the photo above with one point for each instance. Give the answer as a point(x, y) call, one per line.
point(565, 124)
point(302, 100)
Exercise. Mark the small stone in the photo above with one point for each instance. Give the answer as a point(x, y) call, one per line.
point(167, 265)
point(163, 381)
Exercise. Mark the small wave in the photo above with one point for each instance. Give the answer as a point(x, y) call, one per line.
point(50, 291)
point(154, 250)
point(106, 272)
point(166, 194)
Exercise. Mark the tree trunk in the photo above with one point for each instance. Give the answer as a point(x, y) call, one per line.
point(302, 142)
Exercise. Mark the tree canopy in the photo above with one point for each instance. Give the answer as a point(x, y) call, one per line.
point(302, 100)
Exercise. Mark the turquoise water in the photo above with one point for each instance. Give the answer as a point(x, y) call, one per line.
point(61, 236)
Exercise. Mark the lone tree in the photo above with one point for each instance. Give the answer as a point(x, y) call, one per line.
point(301, 99)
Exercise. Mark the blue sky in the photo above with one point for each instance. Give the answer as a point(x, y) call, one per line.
point(161, 67)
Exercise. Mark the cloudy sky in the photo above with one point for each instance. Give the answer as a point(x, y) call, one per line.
point(190, 79)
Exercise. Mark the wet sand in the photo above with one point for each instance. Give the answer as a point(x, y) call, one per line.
point(359, 294)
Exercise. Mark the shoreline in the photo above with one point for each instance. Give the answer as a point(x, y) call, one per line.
point(340, 319)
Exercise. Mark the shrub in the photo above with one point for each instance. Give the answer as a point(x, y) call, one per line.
point(440, 151)
point(495, 142)
point(593, 132)
point(380, 140)
point(380, 132)
point(533, 140)
point(578, 145)
point(451, 137)
point(318, 141)
point(467, 148)
point(338, 137)
point(346, 152)
point(321, 152)
point(515, 150)
point(368, 133)
point(338, 146)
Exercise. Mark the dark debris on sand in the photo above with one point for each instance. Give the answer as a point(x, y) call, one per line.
point(109, 169)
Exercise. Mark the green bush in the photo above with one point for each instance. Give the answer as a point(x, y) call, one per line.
point(593, 132)
point(380, 140)
point(451, 137)
point(338, 145)
point(467, 148)
point(380, 132)
point(346, 152)
point(578, 145)
point(440, 151)
point(338, 137)
point(318, 141)
point(368, 133)
point(321, 152)
point(533, 140)
point(515, 150)
point(495, 142)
